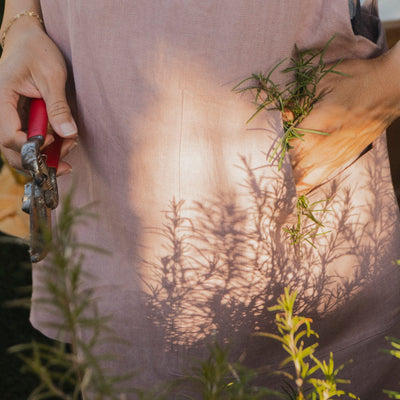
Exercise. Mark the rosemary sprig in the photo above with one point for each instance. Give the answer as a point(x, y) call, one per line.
point(305, 211)
point(296, 100)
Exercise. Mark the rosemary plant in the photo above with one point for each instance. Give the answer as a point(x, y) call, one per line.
point(293, 330)
point(395, 352)
point(66, 371)
point(295, 101)
point(216, 378)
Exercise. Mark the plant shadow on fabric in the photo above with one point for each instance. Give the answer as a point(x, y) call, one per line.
point(223, 269)
point(227, 260)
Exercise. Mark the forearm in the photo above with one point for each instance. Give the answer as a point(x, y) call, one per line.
point(15, 7)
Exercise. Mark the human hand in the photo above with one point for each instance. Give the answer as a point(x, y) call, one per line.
point(32, 67)
point(354, 110)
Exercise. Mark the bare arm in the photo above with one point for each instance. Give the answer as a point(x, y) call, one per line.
point(14, 7)
point(31, 66)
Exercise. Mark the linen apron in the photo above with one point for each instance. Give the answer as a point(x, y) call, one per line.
point(190, 205)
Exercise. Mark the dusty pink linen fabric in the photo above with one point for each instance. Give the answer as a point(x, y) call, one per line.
point(188, 202)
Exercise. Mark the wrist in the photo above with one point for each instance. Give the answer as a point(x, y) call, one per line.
point(19, 24)
point(389, 78)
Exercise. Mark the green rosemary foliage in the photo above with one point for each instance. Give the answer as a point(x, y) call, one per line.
point(300, 231)
point(66, 371)
point(296, 99)
point(292, 332)
point(216, 378)
point(395, 352)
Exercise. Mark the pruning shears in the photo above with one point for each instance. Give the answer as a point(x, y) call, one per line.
point(40, 194)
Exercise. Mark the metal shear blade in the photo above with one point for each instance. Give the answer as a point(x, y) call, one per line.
point(40, 221)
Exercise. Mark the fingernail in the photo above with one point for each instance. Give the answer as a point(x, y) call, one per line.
point(68, 129)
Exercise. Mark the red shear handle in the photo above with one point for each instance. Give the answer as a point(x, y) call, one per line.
point(53, 152)
point(38, 122)
point(37, 119)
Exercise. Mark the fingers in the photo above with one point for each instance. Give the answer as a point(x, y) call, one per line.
point(63, 124)
point(33, 67)
point(64, 168)
point(13, 158)
point(67, 146)
point(10, 127)
point(60, 117)
point(51, 84)
point(61, 121)
point(12, 138)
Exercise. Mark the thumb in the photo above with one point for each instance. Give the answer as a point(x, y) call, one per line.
point(59, 114)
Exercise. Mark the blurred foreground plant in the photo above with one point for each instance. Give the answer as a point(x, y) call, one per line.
point(217, 378)
point(394, 351)
point(65, 370)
